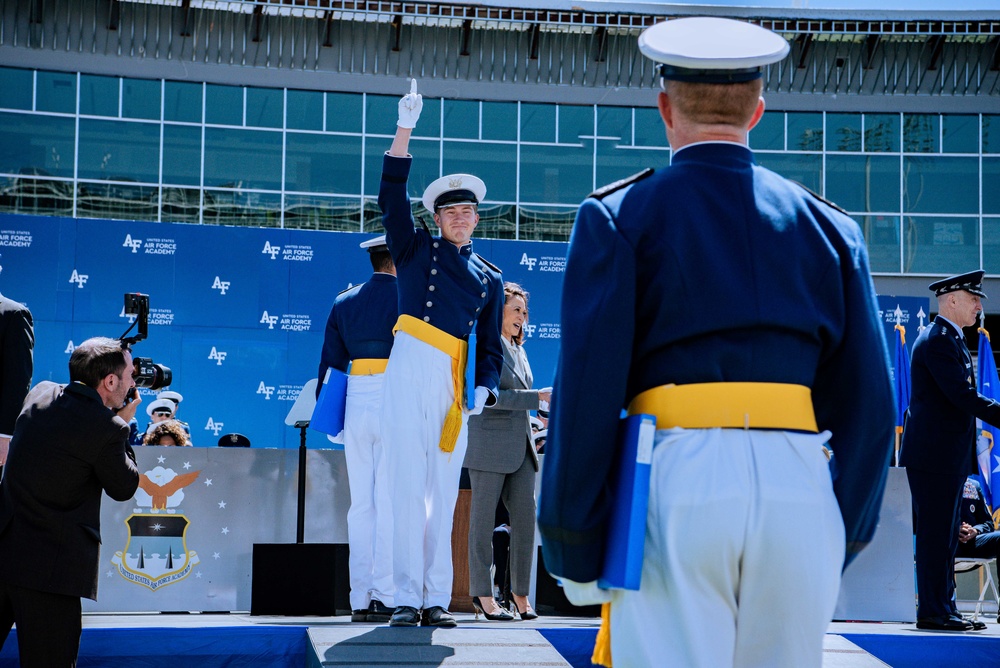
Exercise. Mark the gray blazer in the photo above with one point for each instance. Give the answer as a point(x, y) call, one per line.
point(498, 437)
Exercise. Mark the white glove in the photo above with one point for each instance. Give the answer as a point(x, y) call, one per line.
point(409, 107)
point(543, 405)
point(584, 593)
point(481, 395)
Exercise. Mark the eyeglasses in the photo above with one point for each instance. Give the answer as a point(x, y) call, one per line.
point(162, 413)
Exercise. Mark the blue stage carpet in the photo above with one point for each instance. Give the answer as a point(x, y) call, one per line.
point(940, 651)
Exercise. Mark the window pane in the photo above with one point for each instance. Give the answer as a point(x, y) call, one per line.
point(938, 245)
point(991, 245)
point(312, 212)
point(496, 164)
point(618, 161)
point(40, 197)
point(265, 107)
point(141, 99)
point(882, 235)
point(235, 207)
point(98, 95)
point(424, 169)
point(769, 133)
point(843, 132)
point(805, 132)
point(305, 110)
point(182, 102)
point(344, 113)
point(461, 119)
point(615, 122)
point(575, 121)
point(802, 168)
point(538, 122)
point(323, 163)
point(881, 133)
point(223, 105)
point(991, 194)
point(500, 120)
point(56, 91)
point(961, 133)
point(863, 183)
point(430, 118)
point(182, 155)
point(180, 205)
point(649, 129)
point(119, 151)
point(117, 201)
point(991, 133)
point(556, 174)
point(545, 223)
point(921, 133)
point(41, 145)
point(941, 185)
point(242, 159)
point(496, 221)
point(381, 114)
point(15, 88)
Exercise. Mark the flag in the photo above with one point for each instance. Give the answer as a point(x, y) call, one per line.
point(987, 454)
point(901, 371)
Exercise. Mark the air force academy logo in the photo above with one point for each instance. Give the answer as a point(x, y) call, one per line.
point(218, 355)
point(134, 244)
point(530, 262)
point(271, 250)
point(268, 320)
point(78, 278)
point(156, 553)
point(220, 285)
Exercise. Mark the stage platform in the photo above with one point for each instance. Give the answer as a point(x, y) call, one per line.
point(242, 641)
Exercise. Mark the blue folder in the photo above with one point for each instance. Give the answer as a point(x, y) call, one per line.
point(630, 487)
point(470, 373)
point(328, 416)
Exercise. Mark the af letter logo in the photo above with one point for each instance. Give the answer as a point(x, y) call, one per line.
point(78, 278)
point(218, 355)
point(134, 244)
point(266, 390)
point(268, 320)
point(529, 330)
point(530, 262)
point(70, 347)
point(220, 285)
point(214, 426)
point(271, 250)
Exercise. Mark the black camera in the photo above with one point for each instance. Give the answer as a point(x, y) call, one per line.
point(146, 372)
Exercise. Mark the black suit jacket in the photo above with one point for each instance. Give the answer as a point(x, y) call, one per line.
point(17, 341)
point(940, 435)
point(67, 449)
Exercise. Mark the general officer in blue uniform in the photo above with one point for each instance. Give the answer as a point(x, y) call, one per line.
point(978, 536)
point(939, 442)
point(358, 340)
point(738, 308)
point(446, 293)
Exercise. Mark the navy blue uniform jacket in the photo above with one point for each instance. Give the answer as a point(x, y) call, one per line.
point(360, 324)
point(940, 434)
point(713, 269)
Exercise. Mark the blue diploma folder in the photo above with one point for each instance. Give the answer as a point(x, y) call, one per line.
point(630, 485)
point(328, 416)
point(470, 373)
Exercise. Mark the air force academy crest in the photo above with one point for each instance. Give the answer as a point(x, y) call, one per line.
point(156, 553)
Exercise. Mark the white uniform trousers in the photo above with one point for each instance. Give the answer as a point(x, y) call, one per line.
point(369, 519)
point(744, 551)
point(423, 479)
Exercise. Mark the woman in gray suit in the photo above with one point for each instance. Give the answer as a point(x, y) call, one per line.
point(502, 463)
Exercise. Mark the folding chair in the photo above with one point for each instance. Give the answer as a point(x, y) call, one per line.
point(969, 564)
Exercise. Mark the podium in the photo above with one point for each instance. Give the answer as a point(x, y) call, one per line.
point(297, 579)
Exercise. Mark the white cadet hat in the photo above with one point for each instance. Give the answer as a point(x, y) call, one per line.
point(170, 394)
point(453, 190)
point(161, 404)
point(711, 50)
point(374, 243)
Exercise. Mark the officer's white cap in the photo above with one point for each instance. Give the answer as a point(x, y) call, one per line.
point(373, 243)
point(453, 190)
point(170, 394)
point(711, 50)
point(160, 404)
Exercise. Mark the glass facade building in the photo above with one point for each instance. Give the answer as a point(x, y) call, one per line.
point(921, 185)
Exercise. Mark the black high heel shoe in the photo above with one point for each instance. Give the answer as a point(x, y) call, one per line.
point(528, 613)
point(502, 616)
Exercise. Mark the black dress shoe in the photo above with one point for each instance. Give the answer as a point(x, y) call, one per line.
point(404, 615)
point(976, 624)
point(943, 624)
point(501, 616)
point(438, 616)
point(359, 615)
point(378, 612)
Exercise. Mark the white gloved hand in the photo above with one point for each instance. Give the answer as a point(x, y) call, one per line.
point(481, 395)
point(584, 593)
point(409, 107)
point(543, 406)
